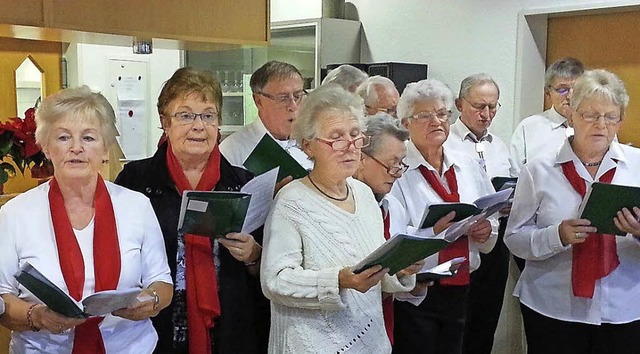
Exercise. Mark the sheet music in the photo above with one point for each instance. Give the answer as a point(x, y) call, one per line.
point(261, 189)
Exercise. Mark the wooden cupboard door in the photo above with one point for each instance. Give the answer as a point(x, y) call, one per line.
point(608, 41)
point(47, 56)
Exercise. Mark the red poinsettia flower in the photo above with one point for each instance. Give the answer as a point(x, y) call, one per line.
point(18, 141)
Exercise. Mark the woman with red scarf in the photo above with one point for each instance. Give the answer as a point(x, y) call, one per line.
point(579, 289)
point(85, 235)
point(437, 175)
point(218, 306)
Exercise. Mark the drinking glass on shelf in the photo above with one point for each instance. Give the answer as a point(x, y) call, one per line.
point(225, 82)
point(237, 81)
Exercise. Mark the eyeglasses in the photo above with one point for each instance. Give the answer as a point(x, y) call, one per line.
point(493, 107)
point(208, 118)
point(395, 171)
point(342, 145)
point(285, 99)
point(593, 117)
point(442, 116)
point(562, 90)
point(393, 111)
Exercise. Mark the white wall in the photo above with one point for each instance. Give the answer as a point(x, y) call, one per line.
point(87, 65)
point(461, 37)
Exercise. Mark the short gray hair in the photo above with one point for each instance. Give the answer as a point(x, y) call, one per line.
point(602, 83)
point(379, 125)
point(82, 105)
point(324, 98)
point(423, 90)
point(272, 70)
point(474, 80)
point(368, 88)
point(345, 76)
point(565, 68)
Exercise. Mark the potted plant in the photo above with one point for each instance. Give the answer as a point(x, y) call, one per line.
point(18, 141)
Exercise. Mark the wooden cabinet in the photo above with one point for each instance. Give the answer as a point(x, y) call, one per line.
point(191, 21)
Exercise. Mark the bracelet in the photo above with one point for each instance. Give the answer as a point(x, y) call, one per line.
point(30, 320)
point(156, 298)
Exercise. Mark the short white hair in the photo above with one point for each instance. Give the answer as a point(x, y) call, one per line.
point(368, 88)
point(602, 83)
point(345, 76)
point(325, 98)
point(423, 90)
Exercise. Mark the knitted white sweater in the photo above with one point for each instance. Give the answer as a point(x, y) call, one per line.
point(307, 241)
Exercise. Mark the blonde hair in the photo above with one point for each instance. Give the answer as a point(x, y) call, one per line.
point(83, 105)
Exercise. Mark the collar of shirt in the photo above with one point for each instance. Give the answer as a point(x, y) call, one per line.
point(460, 130)
point(613, 156)
point(415, 159)
point(285, 144)
point(555, 119)
point(384, 204)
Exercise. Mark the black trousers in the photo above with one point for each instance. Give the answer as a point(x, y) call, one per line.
point(486, 294)
point(434, 327)
point(546, 335)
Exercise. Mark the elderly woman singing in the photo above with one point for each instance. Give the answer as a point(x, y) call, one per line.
point(85, 235)
point(320, 226)
point(579, 288)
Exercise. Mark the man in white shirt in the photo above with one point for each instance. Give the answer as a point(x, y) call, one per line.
point(277, 92)
point(545, 132)
point(478, 104)
point(380, 95)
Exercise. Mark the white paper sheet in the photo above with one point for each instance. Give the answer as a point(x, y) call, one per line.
point(261, 189)
point(133, 130)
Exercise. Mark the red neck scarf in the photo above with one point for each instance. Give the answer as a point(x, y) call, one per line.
point(597, 256)
point(106, 258)
point(387, 302)
point(460, 248)
point(203, 304)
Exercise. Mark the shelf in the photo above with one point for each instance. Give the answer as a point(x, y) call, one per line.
point(232, 94)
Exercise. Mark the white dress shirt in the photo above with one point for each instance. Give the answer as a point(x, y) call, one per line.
point(537, 135)
point(416, 195)
point(489, 150)
point(239, 145)
point(542, 200)
point(26, 235)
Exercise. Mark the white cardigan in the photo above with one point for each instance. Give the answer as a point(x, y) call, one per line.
point(307, 241)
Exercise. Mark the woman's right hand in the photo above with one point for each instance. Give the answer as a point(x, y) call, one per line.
point(45, 319)
point(362, 281)
point(574, 231)
point(443, 223)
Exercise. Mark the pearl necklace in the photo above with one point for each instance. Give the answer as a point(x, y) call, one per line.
point(326, 195)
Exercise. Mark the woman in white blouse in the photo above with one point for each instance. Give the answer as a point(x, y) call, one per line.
point(436, 175)
point(319, 227)
point(579, 290)
point(85, 235)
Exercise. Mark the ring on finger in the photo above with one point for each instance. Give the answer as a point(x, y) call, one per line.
point(578, 234)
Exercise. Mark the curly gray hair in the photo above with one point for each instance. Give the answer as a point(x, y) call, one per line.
point(603, 83)
point(324, 98)
point(423, 90)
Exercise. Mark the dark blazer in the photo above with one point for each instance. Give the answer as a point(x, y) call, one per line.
point(243, 326)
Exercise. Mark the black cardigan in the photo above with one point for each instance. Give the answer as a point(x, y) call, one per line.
point(243, 326)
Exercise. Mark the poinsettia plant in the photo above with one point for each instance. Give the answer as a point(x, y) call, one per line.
point(18, 141)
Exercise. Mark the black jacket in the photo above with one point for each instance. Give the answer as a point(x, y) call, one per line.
point(243, 326)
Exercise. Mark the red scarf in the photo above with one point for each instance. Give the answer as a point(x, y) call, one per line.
point(106, 258)
point(460, 248)
point(203, 304)
point(596, 257)
point(387, 303)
